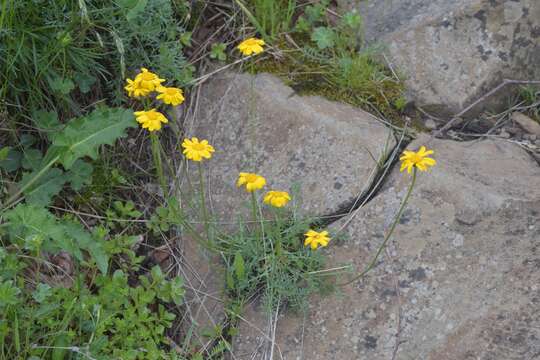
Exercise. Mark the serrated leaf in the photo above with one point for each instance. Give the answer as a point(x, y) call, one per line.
point(79, 175)
point(47, 122)
point(84, 82)
point(12, 162)
point(4, 153)
point(31, 159)
point(239, 266)
point(61, 85)
point(83, 136)
point(41, 191)
point(8, 294)
point(324, 37)
point(41, 292)
point(136, 9)
point(28, 221)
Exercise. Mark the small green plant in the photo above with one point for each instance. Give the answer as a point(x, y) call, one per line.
point(58, 55)
point(270, 17)
point(218, 52)
point(530, 96)
point(331, 59)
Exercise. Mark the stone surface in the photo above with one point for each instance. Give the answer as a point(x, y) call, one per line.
point(257, 124)
point(526, 123)
point(460, 279)
point(453, 52)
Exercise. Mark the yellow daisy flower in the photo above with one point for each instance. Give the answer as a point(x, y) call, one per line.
point(170, 95)
point(148, 80)
point(277, 198)
point(418, 159)
point(150, 119)
point(251, 46)
point(252, 182)
point(134, 88)
point(314, 239)
point(196, 150)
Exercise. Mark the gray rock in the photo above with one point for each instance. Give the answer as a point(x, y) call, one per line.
point(526, 123)
point(257, 124)
point(460, 279)
point(453, 52)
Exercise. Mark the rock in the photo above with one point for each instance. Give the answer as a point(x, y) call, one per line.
point(453, 52)
point(459, 279)
point(504, 134)
point(430, 124)
point(526, 123)
point(257, 124)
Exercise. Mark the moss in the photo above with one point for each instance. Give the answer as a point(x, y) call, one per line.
point(360, 80)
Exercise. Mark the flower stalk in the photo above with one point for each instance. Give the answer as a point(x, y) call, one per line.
point(204, 210)
point(373, 262)
point(156, 155)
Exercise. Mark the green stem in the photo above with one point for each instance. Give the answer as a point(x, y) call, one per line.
point(371, 265)
point(204, 210)
point(31, 182)
point(156, 154)
point(254, 208)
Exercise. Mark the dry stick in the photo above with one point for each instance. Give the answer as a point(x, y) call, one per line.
point(371, 265)
point(485, 96)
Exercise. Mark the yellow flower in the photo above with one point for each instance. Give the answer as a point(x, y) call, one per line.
point(148, 80)
point(251, 46)
point(196, 150)
point(150, 119)
point(314, 239)
point(170, 95)
point(410, 159)
point(135, 89)
point(251, 181)
point(277, 198)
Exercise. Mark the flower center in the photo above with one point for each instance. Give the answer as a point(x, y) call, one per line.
point(251, 178)
point(198, 147)
point(147, 76)
point(170, 92)
point(416, 158)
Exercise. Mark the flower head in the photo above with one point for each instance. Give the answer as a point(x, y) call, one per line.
point(418, 159)
point(314, 239)
point(135, 89)
point(196, 150)
point(251, 46)
point(150, 119)
point(277, 198)
point(252, 182)
point(170, 95)
point(148, 80)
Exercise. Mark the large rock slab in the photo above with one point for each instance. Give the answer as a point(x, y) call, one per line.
point(460, 279)
point(453, 52)
point(257, 124)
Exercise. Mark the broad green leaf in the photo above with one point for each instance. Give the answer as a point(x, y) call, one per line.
point(31, 159)
point(136, 9)
point(324, 37)
point(8, 294)
point(47, 122)
point(26, 222)
point(61, 85)
point(79, 175)
point(239, 266)
point(41, 191)
point(83, 136)
point(352, 20)
point(12, 162)
point(84, 82)
point(42, 292)
point(4, 153)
